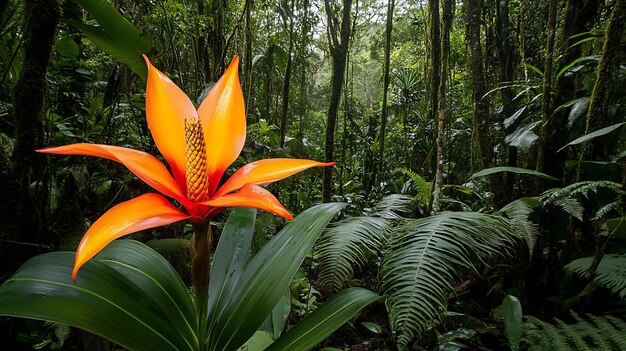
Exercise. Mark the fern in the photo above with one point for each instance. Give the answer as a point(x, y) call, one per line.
point(347, 244)
point(611, 272)
point(584, 188)
point(565, 198)
point(423, 259)
point(593, 333)
point(421, 186)
point(518, 212)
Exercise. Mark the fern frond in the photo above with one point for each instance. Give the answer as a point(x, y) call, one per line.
point(583, 188)
point(346, 245)
point(421, 186)
point(572, 207)
point(393, 206)
point(518, 212)
point(605, 333)
point(424, 258)
point(611, 272)
point(606, 209)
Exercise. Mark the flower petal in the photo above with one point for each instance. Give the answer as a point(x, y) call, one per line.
point(266, 171)
point(145, 166)
point(167, 107)
point(223, 118)
point(143, 212)
point(251, 196)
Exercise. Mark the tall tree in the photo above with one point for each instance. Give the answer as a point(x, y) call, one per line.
point(385, 111)
point(42, 17)
point(603, 96)
point(546, 102)
point(338, 40)
point(446, 25)
point(216, 39)
point(480, 119)
point(287, 81)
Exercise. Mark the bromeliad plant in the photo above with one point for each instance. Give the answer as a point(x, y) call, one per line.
point(129, 294)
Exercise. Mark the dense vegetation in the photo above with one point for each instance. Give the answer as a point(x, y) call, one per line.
point(480, 148)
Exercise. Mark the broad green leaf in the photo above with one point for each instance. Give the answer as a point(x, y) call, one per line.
point(576, 61)
point(266, 277)
point(523, 137)
point(373, 327)
point(230, 258)
point(518, 170)
point(513, 118)
point(115, 35)
point(128, 294)
point(512, 312)
point(275, 323)
point(67, 48)
point(258, 342)
point(593, 135)
point(323, 321)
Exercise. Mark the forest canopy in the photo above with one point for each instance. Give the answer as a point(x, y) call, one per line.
point(469, 155)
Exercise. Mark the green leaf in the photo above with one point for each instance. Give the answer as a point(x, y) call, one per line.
point(258, 342)
point(266, 277)
point(230, 258)
point(576, 61)
point(324, 320)
point(67, 48)
point(128, 294)
point(518, 170)
point(512, 311)
point(115, 35)
point(373, 327)
point(593, 135)
point(275, 323)
point(523, 137)
point(534, 69)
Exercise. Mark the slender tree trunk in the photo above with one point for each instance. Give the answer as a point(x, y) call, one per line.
point(481, 104)
point(216, 39)
point(546, 103)
point(339, 49)
point(448, 11)
point(506, 57)
point(435, 56)
point(286, 84)
point(385, 111)
point(42, 17)
point(306, 28)
point(247, 60)
point(604, 92)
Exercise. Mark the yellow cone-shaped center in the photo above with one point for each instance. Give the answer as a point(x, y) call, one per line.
point(195, 157)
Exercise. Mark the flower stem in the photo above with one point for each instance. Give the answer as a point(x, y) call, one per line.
point(200, 251)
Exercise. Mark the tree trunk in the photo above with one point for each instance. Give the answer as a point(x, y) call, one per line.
point(286, 84)
point(216, 39)
point(247, 60)
point(481, 105)
point(384, 111)
point(546, 103)
point(506, 57)
point(604, 93)
point(338, 49)
point(448, 11)
point(42, 17)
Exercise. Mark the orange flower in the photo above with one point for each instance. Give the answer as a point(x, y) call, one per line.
point(198, 146)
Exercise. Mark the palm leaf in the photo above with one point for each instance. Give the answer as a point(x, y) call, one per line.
point(347, 244)
point(518, 212)
point(611, 272)
point(424, 258)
